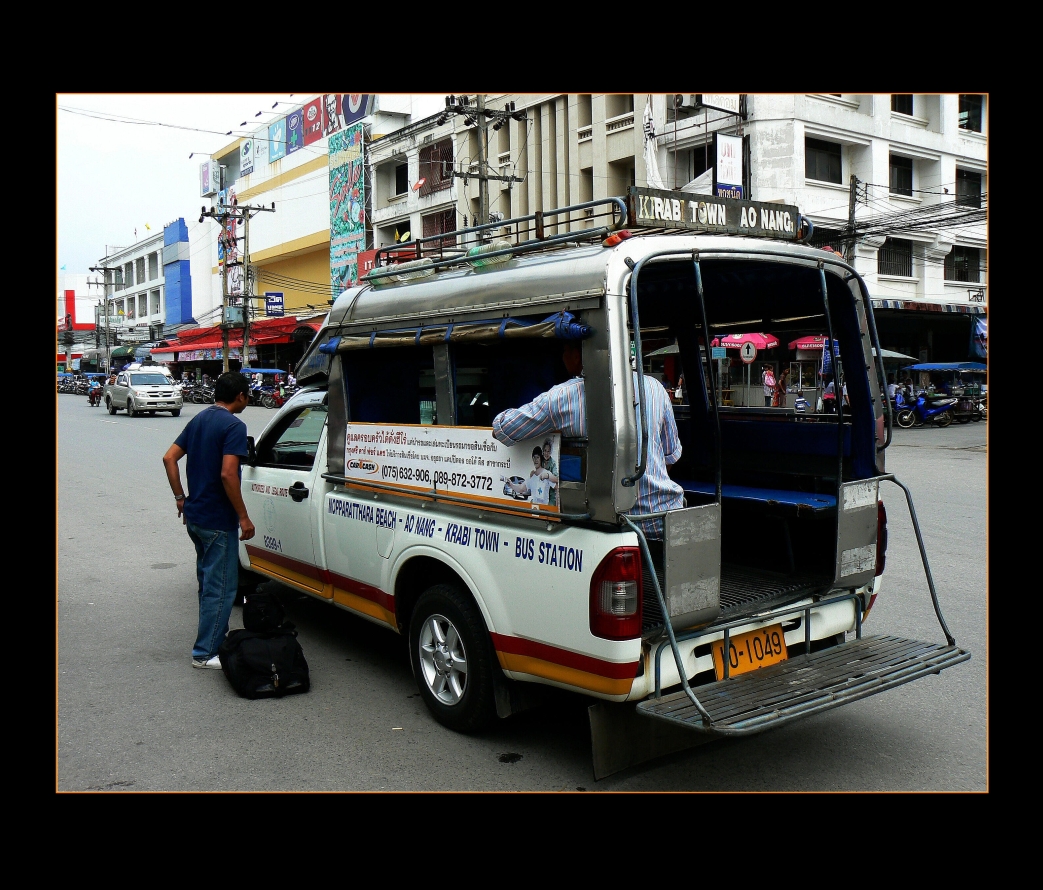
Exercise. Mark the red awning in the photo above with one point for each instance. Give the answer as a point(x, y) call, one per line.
point(263, 331)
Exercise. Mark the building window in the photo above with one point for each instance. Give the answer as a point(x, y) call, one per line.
point(154, 302)
point(968, 188)
point(901, 175)
point(401, 179)
point(827, 238)
point(153, 266)
point(963, 264)
point(902, 103)
point(970, 112)
point(139, 270)
point(895, 257)
point(437, 223)
point(436, 167)
point(822, 160)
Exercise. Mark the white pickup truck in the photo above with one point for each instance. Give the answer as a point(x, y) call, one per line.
point(143, 391)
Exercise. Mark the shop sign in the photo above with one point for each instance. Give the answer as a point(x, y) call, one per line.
point(661, 208)
point(273, 303)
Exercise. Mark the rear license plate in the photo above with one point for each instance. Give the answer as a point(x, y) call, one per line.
point(749, 651)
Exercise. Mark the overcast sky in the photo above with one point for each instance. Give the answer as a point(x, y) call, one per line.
point(123, 162)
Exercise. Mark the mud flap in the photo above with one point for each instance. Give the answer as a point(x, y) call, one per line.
point(621, 738)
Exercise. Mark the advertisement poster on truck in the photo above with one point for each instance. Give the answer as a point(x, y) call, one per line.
point(463, 461)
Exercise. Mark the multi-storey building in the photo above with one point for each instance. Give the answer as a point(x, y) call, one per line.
point(896, 182)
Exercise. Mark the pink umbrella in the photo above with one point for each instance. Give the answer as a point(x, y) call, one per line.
point(816, 342)
point(735, 341)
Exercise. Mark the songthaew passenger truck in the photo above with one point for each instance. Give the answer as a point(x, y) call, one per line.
point(379, 488)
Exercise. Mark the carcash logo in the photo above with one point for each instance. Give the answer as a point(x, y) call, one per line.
point(364, 466)
point(312, 111)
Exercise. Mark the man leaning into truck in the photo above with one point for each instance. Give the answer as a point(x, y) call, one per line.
point(563, 408)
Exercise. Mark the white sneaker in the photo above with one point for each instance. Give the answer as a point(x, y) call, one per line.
point(214, 663)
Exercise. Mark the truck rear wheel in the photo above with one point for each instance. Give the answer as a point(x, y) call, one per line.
point(451, 657)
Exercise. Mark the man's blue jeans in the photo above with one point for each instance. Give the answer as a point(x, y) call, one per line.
point(217, 569)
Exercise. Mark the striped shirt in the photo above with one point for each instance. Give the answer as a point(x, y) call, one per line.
point(562, 409)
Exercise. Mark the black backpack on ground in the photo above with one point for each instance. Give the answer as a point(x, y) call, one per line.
point(262, 611)
point(265, 664)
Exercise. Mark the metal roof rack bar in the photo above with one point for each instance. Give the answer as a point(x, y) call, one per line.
point(619, 214)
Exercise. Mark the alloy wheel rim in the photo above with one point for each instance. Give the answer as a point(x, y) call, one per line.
point(443, 660)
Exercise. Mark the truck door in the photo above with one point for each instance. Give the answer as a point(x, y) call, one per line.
point(283, 492)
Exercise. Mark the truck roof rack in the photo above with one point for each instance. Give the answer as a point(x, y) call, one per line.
point(487, 251)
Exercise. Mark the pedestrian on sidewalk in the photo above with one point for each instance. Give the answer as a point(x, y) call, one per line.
point(213, 510)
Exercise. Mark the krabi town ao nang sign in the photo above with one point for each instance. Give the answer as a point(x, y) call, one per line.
point(656, 208)
point(466, 463)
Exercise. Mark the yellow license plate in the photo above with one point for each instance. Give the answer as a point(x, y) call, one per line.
point(749, 651)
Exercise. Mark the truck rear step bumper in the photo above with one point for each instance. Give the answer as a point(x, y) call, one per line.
point(804, 685)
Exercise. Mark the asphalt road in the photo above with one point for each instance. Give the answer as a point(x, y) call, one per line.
point(133, 715)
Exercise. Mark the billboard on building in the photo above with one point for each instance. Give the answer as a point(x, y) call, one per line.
point(277, 140)
point(347, 203)
point(727, 171)
point(314, 116)
point(246, 157)
point(209, 178)
point(294, 132)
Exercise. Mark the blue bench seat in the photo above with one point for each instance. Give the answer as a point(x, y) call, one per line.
point(797, 500)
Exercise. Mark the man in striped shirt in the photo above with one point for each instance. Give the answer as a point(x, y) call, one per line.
point(563, 408)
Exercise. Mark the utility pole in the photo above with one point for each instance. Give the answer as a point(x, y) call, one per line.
point(105, 297)
point(229, 217)
point(849, 247)
point(478, 115)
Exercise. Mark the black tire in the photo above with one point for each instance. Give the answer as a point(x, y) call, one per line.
point(446, 631)
point(130, 407)
point(267, 401)
point(963, 418)
point(176, 412)
point(943, 419)
point(976, 416)
point(905, 419)
point(110, 406)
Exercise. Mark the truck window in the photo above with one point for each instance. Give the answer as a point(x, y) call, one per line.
point(501, 374)
point(391, 385)
point(295, 442)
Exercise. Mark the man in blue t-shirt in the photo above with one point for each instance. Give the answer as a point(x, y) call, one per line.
point(215, 442)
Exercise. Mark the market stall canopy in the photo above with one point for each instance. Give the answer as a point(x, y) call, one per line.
point(736, 341)
point(888, 355)
point(966, 367)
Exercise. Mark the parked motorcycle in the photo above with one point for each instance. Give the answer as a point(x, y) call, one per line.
point(278, 396)
point(934, 411)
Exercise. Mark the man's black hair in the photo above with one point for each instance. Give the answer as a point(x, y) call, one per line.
point(229, 385)
point(537, 452)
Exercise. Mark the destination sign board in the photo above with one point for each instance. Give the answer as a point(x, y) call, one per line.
point(661, 208)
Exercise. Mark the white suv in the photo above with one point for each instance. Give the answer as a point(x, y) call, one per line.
point(142, 392)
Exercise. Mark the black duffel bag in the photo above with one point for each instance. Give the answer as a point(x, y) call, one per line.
point(268, 664)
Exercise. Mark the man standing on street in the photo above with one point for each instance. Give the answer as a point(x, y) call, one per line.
point(215, 442)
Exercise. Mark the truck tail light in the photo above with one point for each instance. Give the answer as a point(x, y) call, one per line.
point(881, 537)
point(615, 595)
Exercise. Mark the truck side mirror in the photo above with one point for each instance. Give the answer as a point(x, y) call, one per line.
point(251, 451)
